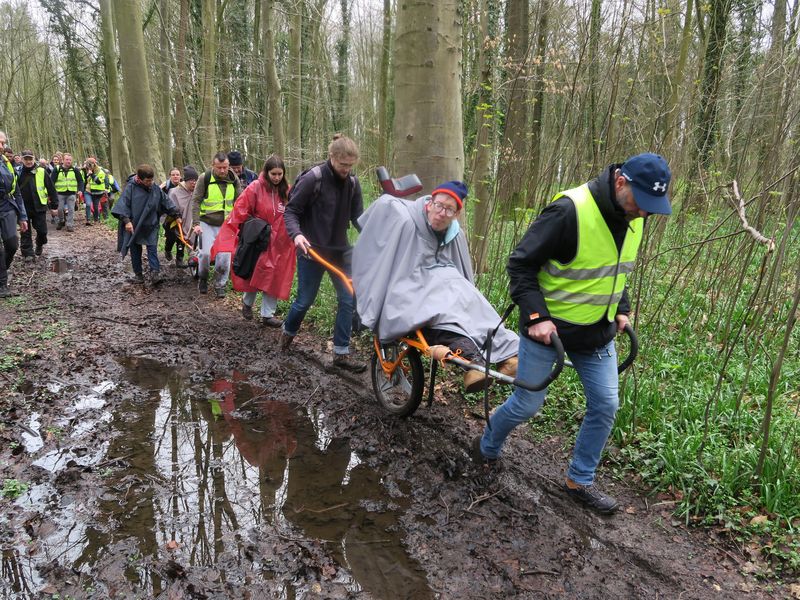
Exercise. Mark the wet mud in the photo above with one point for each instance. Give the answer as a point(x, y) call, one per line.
point(165, 448)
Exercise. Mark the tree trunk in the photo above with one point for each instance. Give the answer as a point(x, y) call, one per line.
point(207, 130)
point(383, 90)
point(165, 93)
point(428, 137)
point(706, 131)
point(514, 141)
point(672, 109)
point(484, 144)
point(593, 66)
point(341, 122)
point(225, 87)
point(273, 83)
point(294, 155)
point(120, 158)
point(183, 77)
point(538, 100)
point(136, 85)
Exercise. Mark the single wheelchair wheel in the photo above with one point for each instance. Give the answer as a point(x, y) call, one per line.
point(401, 393)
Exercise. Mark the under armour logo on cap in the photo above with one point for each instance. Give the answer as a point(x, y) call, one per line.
point(649, 177)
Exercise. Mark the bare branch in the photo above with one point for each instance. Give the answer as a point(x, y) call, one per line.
point(757, 235)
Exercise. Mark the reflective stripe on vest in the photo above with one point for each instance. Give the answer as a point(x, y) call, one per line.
point(214, 200)
point(589, 288)
point(41, 188)
point(13, 176)
point(68, 183)
point(95, 187)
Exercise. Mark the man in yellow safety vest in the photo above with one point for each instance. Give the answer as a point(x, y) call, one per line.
point(212, 201)
point(568, 277)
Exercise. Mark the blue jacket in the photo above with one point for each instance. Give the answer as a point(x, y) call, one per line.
point(142, 207)
point(10, 202)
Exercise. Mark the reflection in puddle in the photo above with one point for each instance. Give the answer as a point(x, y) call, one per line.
point(31, 442)
point(61, 265)
point(205, 470)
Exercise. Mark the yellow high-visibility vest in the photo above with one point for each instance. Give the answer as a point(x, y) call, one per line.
point(589, 288)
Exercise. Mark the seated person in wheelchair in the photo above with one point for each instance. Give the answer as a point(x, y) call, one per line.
point(412, 270)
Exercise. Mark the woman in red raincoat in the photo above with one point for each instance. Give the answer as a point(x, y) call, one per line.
point(265, 199)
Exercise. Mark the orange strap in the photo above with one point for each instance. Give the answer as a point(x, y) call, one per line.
point(345, 279)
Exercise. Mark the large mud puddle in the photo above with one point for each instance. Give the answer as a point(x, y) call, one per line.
point(212, 477)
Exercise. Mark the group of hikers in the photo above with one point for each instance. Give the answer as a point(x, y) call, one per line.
point(30, 189)
point(410, 270)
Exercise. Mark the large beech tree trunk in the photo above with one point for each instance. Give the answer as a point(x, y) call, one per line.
point(428, 135)
point(136, 85)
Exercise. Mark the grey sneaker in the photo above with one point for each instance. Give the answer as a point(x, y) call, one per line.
point(591, 496)
point(202, 285)
point(136, 278)
point(220, 292)
point(271, 322)
point(343, 361)
point(5, 292)
point(156, 278)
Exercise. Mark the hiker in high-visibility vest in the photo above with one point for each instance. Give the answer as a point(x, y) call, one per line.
point(12, 211)
point(38, 194)
point(68, 181)
point(96, 188)
point(568, 276)
point(213, 198)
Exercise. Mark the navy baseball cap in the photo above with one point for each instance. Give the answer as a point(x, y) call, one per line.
point(649, 176)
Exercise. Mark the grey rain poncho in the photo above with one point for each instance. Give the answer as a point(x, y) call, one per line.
point(405, 279)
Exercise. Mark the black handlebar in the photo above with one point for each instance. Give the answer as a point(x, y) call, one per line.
point(555, 341)
point(634, 351)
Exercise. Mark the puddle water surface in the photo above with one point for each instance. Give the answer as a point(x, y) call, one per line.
point(197, 472)
point(61, 265)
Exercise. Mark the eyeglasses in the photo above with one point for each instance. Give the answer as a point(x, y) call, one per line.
point(439, 207)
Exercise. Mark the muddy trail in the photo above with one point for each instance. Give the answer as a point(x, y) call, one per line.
point(163, 447)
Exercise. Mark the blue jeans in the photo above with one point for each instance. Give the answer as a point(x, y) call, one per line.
point(309, 278)
point(152, 258)
point(92, 200)
point(598, 373)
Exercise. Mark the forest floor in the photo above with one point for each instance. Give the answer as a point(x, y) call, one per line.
point(160, 446)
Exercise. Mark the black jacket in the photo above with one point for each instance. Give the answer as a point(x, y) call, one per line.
point(324, 217)
point(554, 234)
point(27, 187)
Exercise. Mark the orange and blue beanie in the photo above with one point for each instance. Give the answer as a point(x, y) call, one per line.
point(457, 190)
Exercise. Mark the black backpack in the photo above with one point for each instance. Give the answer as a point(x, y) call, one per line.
point(316, 173)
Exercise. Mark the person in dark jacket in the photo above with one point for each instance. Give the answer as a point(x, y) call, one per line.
point(12, 211)
point(324, 202)
point(38, 193)
point(138, 210)
point(568, 277)
point(245, 175)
